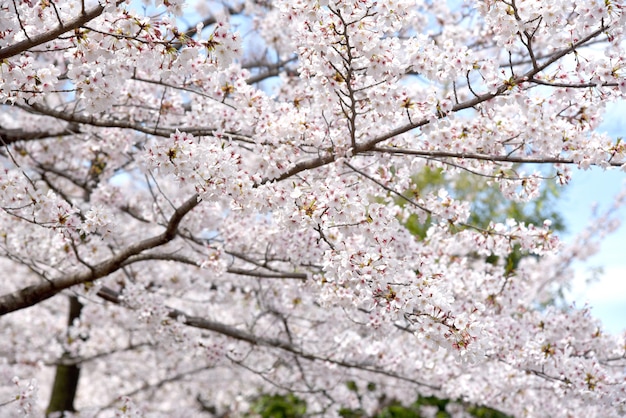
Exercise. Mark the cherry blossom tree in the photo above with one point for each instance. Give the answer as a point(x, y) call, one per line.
point(196, 212)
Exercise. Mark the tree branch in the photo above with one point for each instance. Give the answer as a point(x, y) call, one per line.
point(143, 127)
point(371, 144)
point(34, 294)
point(484, 157)
point(255, 272)
point(256, 340)
point(10, 136)
point(42, 38)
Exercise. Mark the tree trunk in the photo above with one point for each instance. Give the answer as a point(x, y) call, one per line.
point(66, 377)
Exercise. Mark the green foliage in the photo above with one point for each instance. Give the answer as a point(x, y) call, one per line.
point(352, 413)
point(352, 387)
point(290, 406)
point(395, 409)
point(434, 401)
point(484, 412)
point(278, 406)
point(488, 204)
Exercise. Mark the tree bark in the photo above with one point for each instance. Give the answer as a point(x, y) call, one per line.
point(66, 377)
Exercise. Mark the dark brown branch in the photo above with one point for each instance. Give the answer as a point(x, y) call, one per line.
point(42, 38)
point(10, 136)
point(267, 275)
point(34, 294)
point(487, 96)
point(301, 166)
point(272, 70)
point(233, 270)
point(371, 144)
point(99, 121)
point(573, 85)
point(256, 340)
point(484, 157)
point(203, 323)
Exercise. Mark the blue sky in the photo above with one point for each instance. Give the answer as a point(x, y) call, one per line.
point(607, 296)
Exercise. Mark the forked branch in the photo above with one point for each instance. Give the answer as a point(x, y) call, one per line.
point(34, 294)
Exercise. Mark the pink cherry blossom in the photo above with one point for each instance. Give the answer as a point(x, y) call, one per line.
point(225, 193)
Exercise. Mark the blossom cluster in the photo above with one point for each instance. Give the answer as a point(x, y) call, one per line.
point(236, 203)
